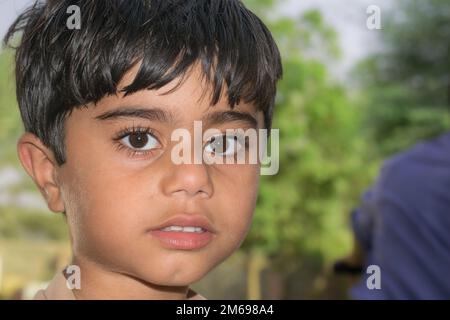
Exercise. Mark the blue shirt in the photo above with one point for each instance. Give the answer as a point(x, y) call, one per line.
point(403, 224)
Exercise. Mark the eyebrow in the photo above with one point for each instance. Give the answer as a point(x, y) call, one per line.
point(153, 114)
point(160, 115)
point(221, 117)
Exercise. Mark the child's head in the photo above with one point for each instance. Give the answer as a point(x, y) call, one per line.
point(99, 105)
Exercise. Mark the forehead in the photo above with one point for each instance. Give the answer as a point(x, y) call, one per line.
point(187, 100)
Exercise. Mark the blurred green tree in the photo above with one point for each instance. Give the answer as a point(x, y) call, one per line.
point(10, 124)
point(406, 86)
point(301, 211)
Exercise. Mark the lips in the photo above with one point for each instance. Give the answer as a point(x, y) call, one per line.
point(184, 232)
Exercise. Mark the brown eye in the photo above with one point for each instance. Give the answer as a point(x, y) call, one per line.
point(140, 141)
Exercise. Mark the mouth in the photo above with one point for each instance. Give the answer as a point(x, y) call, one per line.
point(184, 232)
point(188, 229)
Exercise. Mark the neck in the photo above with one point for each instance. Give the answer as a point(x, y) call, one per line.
point(98, 282)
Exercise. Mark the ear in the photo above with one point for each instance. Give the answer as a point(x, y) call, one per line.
point(40, 164)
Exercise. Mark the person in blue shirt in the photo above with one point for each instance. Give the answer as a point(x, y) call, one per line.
point(403, 226)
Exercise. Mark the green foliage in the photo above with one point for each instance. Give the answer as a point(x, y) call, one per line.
point(19, 224)
point(406, 86)
point(10, 123)
point(303, 210)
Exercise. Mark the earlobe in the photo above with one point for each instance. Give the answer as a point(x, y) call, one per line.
point(39, 162)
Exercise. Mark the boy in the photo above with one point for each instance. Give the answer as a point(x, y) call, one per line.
point(100, 103)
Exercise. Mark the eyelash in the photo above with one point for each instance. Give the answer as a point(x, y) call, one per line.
point(239, 138)
point(133, 130)
point(147, 130)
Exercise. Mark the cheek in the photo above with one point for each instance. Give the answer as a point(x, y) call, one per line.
point(238, 195)
point(103, 206)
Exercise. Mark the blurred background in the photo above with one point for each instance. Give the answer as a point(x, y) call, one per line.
point(351, 96)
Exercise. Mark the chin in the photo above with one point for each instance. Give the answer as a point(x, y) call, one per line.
point(181, 281)
point(179, 276)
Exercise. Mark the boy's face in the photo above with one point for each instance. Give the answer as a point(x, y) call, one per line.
point(113, 197)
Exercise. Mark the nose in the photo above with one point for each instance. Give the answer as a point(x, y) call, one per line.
point(189, 180)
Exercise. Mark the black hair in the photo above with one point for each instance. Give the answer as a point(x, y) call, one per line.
point(59, 68)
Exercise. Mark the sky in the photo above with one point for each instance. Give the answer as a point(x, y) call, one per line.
point(348, 18)
point(9, 9)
